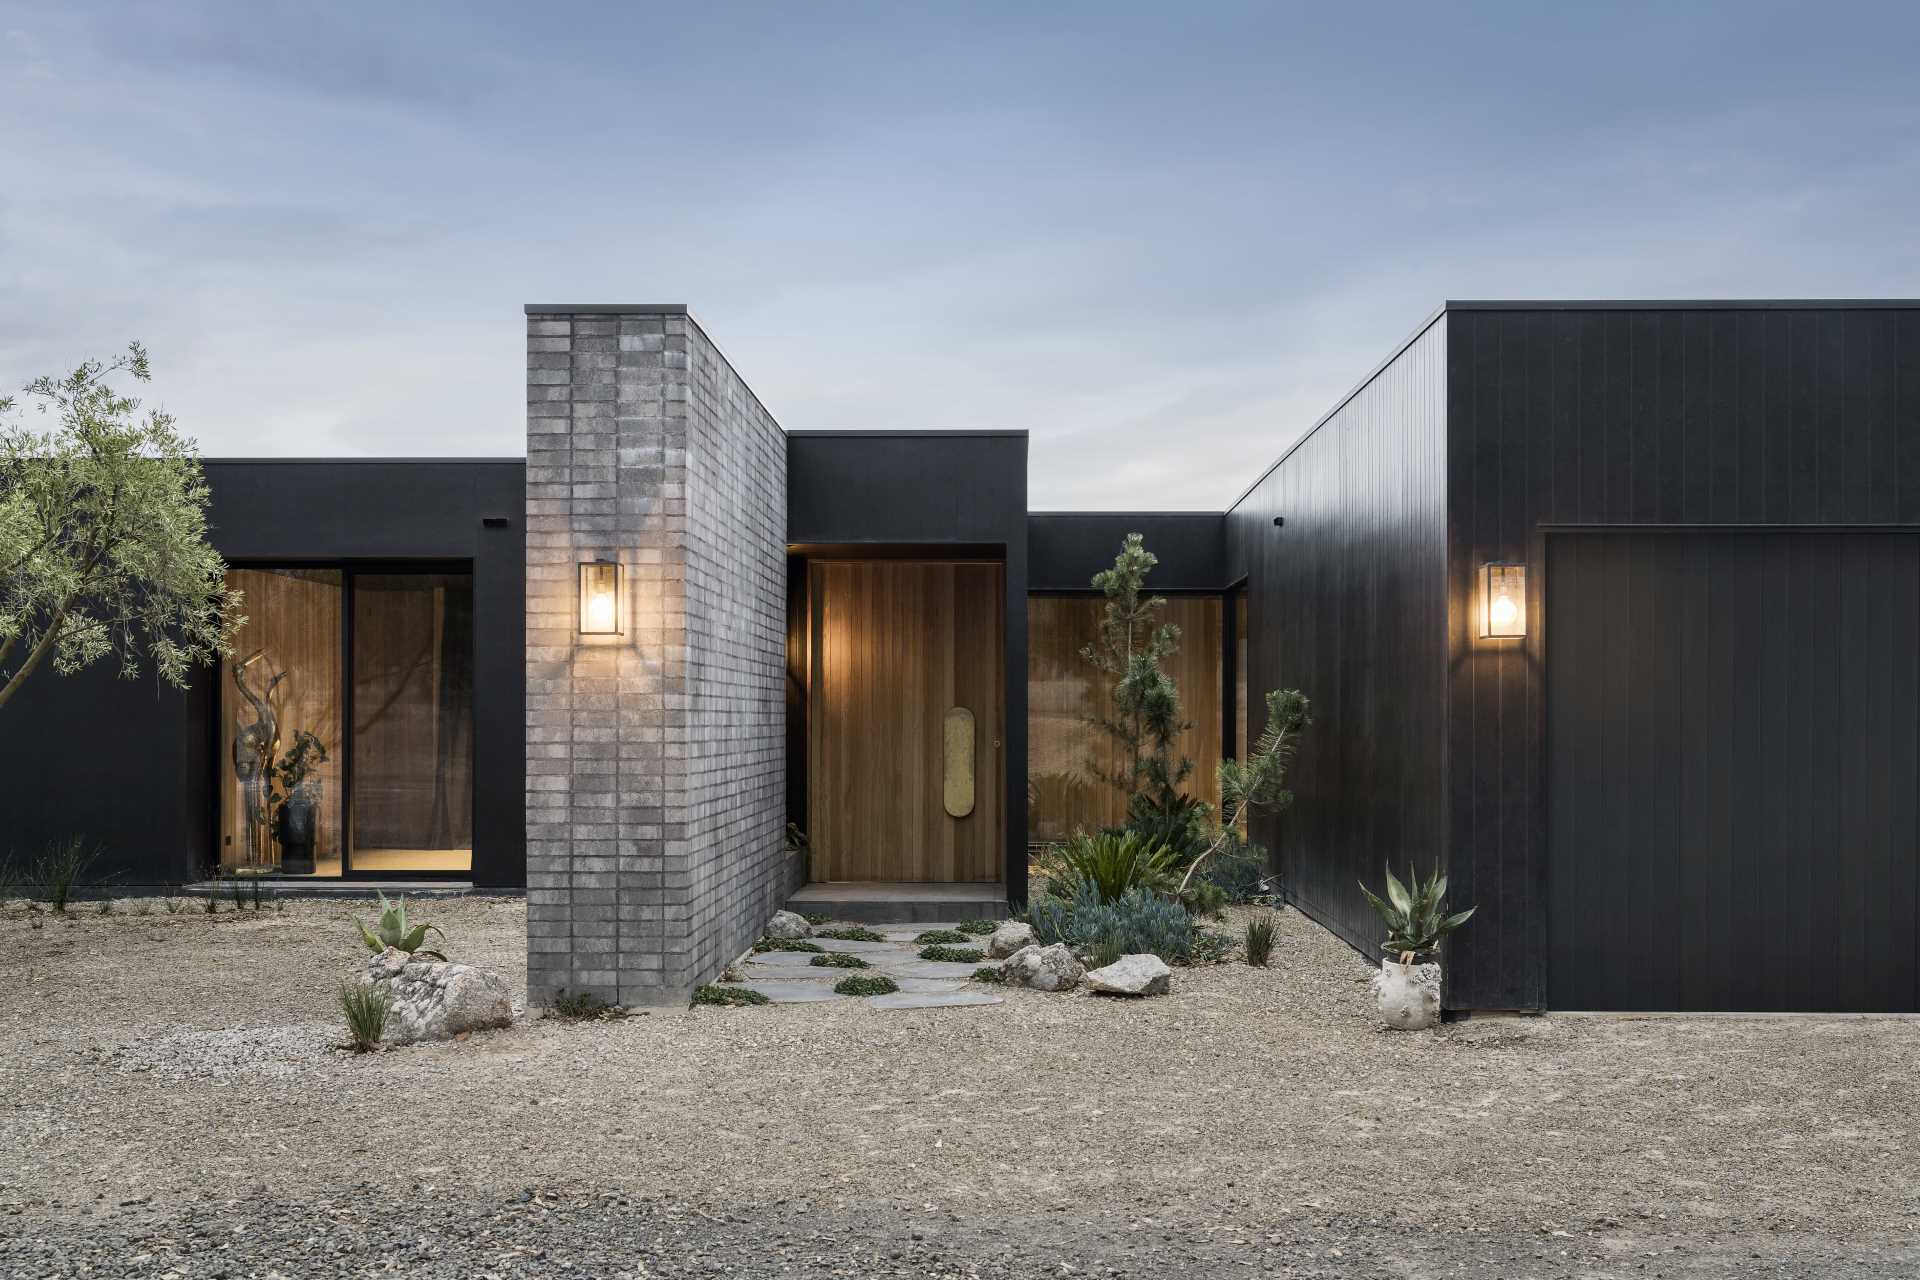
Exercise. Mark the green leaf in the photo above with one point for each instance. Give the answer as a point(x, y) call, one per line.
point(1398, 893)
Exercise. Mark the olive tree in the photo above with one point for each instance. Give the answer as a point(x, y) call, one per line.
point(103, 546)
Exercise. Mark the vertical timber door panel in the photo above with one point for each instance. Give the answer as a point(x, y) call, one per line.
point(1733, 729)
point(897, 645)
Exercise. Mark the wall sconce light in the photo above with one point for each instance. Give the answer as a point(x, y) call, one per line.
point(1503, 599)
point(599, 598)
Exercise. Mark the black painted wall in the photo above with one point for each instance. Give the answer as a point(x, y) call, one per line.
point(928, 493)
point(1347, 602)
point(1066, 548)
point(1615, 415)
point(131, 765)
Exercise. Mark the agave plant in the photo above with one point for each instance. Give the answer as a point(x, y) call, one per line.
point(1416, 918)
point(392, 931)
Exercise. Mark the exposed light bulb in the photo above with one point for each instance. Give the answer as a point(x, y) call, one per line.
point(600, 611)
point(1505, 612)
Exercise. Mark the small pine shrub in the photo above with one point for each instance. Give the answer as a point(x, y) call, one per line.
point(1241, 870)
point(727, 996)
point(978, 928)
point(953, 955)
point(863, 984)
point(1259, 940)
point(1204, 899)
point(837, 960)
point(990, 973)
point(787, 944)
point(850, 933)
point(365, 1007)
point(940, 935)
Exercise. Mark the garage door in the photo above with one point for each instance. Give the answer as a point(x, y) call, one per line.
point(1732, 725)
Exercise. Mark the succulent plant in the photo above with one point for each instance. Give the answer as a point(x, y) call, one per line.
point(1416, 917)
point(392, 930)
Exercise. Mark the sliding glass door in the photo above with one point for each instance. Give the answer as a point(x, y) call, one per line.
point(412, 722)
point(347, 724)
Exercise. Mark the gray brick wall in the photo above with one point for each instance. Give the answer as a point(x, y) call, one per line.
point(655, 759)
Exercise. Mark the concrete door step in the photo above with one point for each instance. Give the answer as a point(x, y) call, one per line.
point(901, 902)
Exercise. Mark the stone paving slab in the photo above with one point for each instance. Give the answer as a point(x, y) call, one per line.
point(854, 947)
point(923, 985)
point(783, 959)
point(931, 1000)
point(918, 968)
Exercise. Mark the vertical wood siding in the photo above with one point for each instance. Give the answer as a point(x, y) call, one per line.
point(1347, 603)
point(1621, 416)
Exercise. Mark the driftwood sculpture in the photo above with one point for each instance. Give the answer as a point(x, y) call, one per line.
point(256, 746)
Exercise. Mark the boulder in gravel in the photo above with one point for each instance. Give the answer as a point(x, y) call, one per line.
point(1144, 974)
point(1408, 995)
point(1009, 938)
point(436, 1000)
point(1053, 968)
point(788, 924)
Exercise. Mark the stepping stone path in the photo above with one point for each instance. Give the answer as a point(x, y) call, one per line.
point(790, 977)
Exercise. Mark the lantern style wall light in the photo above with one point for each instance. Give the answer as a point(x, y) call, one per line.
point(599, 598)
point(1503, 599)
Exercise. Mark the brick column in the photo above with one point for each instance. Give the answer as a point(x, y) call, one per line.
point(655, 758)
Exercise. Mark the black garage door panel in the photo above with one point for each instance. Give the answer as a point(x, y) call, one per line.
point(1733, 727)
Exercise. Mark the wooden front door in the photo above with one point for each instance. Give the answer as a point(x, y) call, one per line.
point(897, 647)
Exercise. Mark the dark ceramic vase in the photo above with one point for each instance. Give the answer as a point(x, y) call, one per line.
point(294, 828)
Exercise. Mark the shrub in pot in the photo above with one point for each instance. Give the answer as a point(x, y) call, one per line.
point(1407, 988)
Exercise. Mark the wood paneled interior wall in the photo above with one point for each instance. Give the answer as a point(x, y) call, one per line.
point(1068, 758)
point(895, 645)
point(1716, 414)
point(294, 622)
point(1347, 603)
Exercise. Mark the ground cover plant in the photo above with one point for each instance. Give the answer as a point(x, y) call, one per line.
point(848, 933)
point(979, 928)
point(929, 937)
point(837, 960)
point(953, 955)
point(787, 944)
point(990, 973)
point(1139, 921)
point(584, 1006)
point(728, 996)
point(862, 984)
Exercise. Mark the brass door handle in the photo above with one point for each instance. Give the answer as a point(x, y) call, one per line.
point(957, 738)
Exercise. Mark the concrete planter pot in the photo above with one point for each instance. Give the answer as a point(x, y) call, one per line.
point(1408, 995)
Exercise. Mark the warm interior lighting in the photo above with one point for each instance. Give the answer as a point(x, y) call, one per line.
point(599, 598)
point(1503, 599)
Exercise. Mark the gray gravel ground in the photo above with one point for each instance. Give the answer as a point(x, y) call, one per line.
point(1254, 1121)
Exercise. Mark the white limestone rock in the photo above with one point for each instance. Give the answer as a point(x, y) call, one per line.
point(436, 1000)
point(788, 925)
point(1053, 968)
point(1143, 974)
point(1009, 938)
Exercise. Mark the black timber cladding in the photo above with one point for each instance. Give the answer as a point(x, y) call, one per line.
point(877, 493)
point(1733, 759)
point(1346, 602)
point(1627, 416)
point(1066, 548)
point(130, 764)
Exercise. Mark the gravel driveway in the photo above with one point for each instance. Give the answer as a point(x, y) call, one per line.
point(169, 1091)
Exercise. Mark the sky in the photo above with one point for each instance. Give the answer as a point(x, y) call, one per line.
point(1164, 239)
